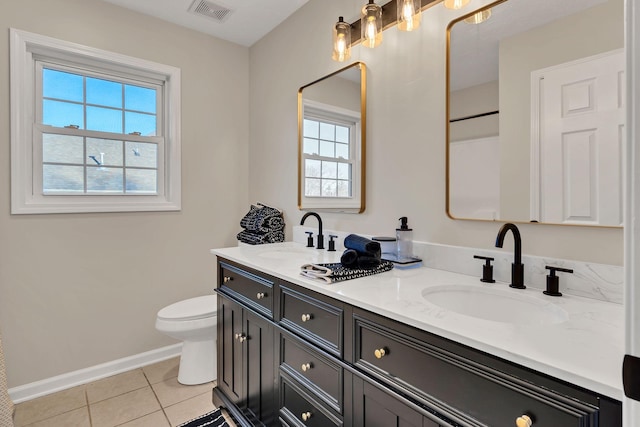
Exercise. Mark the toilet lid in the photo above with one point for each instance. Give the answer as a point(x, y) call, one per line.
point(190, 309)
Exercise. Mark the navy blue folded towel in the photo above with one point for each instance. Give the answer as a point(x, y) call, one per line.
point(362, 245)
point(349, 258)
point(354, 259)
point(360, 253)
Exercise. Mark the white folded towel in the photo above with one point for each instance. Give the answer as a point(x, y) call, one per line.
point(315, 271)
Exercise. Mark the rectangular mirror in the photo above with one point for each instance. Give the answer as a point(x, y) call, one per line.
point(536, 114)
point(332, 140)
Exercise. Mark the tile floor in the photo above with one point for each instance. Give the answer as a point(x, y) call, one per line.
point(147, 397)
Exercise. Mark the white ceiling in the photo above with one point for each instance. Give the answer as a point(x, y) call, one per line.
point(248, 21)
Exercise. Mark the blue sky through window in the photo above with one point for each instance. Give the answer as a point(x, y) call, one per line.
point(69, 98)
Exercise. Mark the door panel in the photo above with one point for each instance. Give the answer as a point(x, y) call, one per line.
point(582, 117)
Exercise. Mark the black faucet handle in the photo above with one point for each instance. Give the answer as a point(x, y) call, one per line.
point(487, 269)
point(553, 281)
point(309, 239)
point(332, 243)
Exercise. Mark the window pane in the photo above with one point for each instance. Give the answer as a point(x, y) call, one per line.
point(143, 123)
point(312, 168)
point(342, 134)
point(140, 99)
point(62, 149)
point(344, 171)
point(344, 189)
point(107, 180)
point(329, 188)
point(105, 152)
point(142, 181)
point(329, 170)
point(104, 119)
point(327, 149)
point(141, 154)
point(312, 187)
point(310, 146)
point(61, 85)
point(61, 114)
point(342, 150)
point(327, 131)
point(311, 129)
point(57, 178)
point(104, 92)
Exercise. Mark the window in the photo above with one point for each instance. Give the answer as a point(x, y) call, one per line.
point(92, 131)
point(330, 147)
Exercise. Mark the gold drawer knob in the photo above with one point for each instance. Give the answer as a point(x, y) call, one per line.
point(261, 295)
point(380, 353)
point(524, 421)
point(306, 367)
point(306, 416)
point(306, 317)
point(227, 279)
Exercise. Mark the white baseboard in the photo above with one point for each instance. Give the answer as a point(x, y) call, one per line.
point(83, 376)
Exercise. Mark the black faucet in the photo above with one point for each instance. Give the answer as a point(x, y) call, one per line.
point(517, 269)
point(320, 236)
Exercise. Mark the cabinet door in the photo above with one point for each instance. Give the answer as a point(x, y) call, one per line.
point(373, 407)
point(259, 358)
point(230, 349)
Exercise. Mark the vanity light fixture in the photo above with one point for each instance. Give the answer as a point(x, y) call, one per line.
point(409, 14)
point(455, 4)
point(371, 24)
point(341, 41)
point(480, 17)
point(367, 30)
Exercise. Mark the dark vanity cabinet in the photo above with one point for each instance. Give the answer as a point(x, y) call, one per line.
point(292, 357)
point(246, 347)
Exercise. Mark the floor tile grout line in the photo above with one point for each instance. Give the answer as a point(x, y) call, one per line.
point(160, 403)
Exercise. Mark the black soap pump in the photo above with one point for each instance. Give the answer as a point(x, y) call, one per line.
point(404, 240)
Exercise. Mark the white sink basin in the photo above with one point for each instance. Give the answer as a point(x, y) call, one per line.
point(498, 305)
point(286, 253)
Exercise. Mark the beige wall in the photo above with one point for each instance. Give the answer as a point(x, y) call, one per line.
point(405, 137)
point(561, 41)
point(77, 290)
point(473, 100)
point(336, 91)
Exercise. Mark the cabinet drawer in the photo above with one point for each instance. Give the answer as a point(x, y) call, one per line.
point(254, 291)
point(299, 408)
point(474, 394)
point(313, 319)
point(316, 372)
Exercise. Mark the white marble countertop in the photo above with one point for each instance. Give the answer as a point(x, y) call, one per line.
point(585, 350)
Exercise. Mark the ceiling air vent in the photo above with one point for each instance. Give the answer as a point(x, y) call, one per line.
point(210, 10)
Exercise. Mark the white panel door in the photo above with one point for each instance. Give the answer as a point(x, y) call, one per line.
point(581, 141)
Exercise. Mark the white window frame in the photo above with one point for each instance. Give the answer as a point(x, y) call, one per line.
point(26, 49)
point(319, 111)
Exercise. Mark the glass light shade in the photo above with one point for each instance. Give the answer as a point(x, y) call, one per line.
point(341, 41)
point(409, 15)
point(479, 17)
point(371, 24)
point(455, 4)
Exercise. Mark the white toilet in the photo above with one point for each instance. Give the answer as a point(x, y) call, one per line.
point(193, 321)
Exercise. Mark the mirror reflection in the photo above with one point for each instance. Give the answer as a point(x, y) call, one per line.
point(331, 141)
point(536, 113)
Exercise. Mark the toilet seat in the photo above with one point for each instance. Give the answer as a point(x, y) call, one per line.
point(190, 309)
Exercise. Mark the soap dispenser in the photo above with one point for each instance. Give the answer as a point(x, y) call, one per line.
point(404, 240)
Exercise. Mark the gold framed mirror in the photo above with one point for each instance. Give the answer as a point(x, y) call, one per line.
point(332, 130)
point(534, 129)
